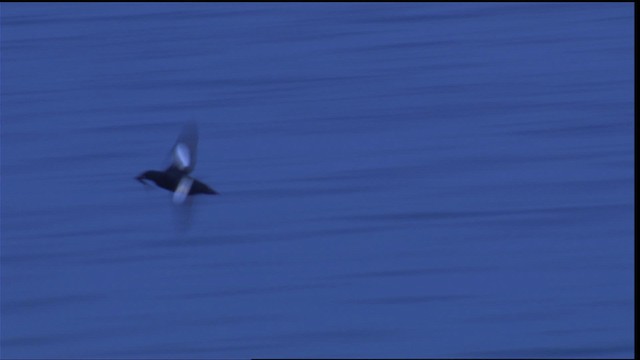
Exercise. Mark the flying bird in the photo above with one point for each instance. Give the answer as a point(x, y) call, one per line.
point(176, 177)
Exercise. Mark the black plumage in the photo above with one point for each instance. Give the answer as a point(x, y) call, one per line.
point(176, 177)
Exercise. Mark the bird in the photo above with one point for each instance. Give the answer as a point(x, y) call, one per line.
point(176, 177)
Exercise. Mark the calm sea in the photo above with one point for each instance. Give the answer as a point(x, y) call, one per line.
point(397, 180)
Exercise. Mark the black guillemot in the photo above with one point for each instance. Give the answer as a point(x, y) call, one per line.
point(176, 177)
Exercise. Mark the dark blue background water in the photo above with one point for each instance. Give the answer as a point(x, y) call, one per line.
point(398, 180)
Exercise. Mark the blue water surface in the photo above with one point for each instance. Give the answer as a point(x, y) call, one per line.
point(397, 180)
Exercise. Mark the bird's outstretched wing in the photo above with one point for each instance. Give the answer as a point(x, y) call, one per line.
point(184, 152)
point(182, 190)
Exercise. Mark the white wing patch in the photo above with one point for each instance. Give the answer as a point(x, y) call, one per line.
point(182, 190)
point(182, 156)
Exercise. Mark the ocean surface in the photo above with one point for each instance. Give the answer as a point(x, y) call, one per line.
point(397, 180)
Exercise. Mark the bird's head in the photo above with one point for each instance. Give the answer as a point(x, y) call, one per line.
point(147, 175)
